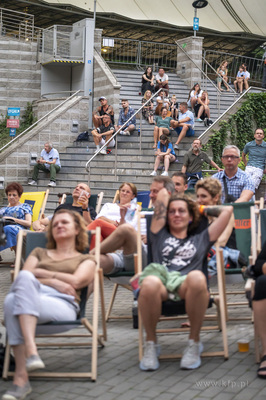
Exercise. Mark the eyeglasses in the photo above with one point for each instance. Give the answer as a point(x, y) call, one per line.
point(232, 157)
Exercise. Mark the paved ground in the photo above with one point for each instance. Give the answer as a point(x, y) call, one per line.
point(120, 378)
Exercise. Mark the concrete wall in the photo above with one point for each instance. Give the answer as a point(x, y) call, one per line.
point(20, 74)
point(15, 167)
point(186, 69)
point(55, 78)
point(105, 84)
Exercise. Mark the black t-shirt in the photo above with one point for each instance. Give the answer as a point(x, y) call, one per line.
point(183, 255)
point(77, 209)
point(103, 128)
point(102, 112)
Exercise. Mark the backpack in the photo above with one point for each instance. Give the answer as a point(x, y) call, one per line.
point(83, 137)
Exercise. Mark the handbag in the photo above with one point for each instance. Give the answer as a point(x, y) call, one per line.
point(8, 221)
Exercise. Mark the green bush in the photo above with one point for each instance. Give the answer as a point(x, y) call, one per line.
point(240, 127)
point(26, 120)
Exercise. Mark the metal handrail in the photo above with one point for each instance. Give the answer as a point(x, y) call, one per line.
point(87, 166)
point(61, 92)
point(255, 65)
point(205, 75)
point(201, 137)
point(216, 73)
point(37, 122)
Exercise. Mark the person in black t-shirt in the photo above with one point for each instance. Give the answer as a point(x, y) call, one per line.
point(103, 109)
point(177, 270)
point(104, 133)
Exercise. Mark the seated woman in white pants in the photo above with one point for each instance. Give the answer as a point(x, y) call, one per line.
point(47, 289)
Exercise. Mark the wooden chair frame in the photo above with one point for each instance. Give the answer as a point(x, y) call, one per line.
point(255, 249)
point(96, 339)
point(221, 315)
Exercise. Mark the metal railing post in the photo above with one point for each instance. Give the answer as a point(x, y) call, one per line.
point(140, 131)
point(54, 41)
point(116, 159)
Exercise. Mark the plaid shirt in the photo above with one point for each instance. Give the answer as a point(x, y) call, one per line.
point(239, 182)
point(123, 118)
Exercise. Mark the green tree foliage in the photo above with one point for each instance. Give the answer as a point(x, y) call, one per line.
point(240, 127)
point(26, 120)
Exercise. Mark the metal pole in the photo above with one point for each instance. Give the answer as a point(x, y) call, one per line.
point(195, 15)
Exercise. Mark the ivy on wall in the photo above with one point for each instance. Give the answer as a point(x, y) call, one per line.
point(240, 127)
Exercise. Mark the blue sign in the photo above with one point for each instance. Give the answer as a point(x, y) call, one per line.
point(195, 24)
point(12, 132)
point(89, 61)
point(13, 111)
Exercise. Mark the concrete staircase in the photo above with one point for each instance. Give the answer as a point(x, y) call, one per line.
point(134, 165)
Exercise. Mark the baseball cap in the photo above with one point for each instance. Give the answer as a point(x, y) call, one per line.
point(102, 98)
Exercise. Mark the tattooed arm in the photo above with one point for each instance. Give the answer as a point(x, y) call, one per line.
point(160, 211)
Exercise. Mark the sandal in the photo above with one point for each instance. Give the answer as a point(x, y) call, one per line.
point(262, 376)
point(154, 146)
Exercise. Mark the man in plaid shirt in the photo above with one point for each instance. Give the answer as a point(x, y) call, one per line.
point(237, 185)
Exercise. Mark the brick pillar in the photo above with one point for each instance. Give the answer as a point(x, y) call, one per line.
point(186, 70)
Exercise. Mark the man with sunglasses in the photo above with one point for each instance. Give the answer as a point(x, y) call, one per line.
point(237, 185)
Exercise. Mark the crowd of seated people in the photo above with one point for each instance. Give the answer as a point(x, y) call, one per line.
point(120, 219)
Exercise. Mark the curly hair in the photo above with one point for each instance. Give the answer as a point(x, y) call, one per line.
point(81, 243)
point(132, 187)
point(211, 185)
point(192, 207)
point(14, 186)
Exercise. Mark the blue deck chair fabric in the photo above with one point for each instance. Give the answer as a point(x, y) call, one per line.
point(144, 198)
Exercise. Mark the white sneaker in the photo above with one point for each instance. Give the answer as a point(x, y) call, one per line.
point(103, 151)
point(32, 183)
point(149, 360)
point(154, 173)
point(52, 183)
point(164, 173)
point(124, 133)
point(191, 356)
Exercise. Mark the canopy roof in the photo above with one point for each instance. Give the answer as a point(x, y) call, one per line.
point(219, 15)
point(234, 26)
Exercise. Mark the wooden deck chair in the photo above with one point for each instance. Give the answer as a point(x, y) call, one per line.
point(38, 239)
point(95, 201)
point(143, 199)
point(121, 280)
point(170, 309)
point(37, 202)
point(242, 213)
point(116, 196)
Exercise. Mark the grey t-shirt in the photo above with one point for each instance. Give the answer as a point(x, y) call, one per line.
point(183, 255)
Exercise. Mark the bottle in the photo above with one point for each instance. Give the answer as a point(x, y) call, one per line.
point(138, 131)
point(87, 149)
point(135, 314)
point(131, 210)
